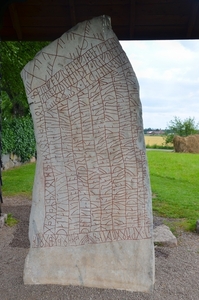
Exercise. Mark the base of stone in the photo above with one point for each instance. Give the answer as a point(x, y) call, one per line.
point(125, 265)
point(3, 218)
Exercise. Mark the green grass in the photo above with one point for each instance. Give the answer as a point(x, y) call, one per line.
point(11, 221)
point(18, 181)
point(155, 146)
point(174, 181)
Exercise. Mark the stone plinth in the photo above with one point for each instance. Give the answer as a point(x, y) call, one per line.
point(91, 217)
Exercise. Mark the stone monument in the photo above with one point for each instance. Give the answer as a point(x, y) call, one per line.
point(91, 217)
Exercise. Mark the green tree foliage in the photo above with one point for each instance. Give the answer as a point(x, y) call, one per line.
point(14, 56)
point(17, 126)
point(180, 127)
point(18, 137)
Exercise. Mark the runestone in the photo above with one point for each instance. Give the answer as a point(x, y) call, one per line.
point(91, 216)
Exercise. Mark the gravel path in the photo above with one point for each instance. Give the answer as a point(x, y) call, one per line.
point(177, 269)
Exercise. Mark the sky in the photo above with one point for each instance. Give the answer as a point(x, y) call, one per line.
point(168, 76)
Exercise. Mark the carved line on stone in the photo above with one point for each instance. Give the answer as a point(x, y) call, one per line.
point(81, 92)
point(131, 233)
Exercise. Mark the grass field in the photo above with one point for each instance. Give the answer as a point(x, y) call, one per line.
point(18, 181)
point(174, 181)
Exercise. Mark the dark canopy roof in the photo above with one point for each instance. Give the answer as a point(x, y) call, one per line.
point(131, 20)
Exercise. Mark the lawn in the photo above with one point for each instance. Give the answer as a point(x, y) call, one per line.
point(174, 181)
point(18, 181)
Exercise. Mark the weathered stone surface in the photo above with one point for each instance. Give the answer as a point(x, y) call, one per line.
point(91, 217)
point(188, 144)
point(163, 235)
point(1, 221)
point(10, 161)
point(3, 218)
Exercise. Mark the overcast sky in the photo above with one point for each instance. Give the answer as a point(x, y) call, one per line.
point(168, 75)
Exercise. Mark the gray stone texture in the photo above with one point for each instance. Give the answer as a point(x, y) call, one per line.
point(3, 218)
point(163, 235)
point(91, 217)
point(10, 161)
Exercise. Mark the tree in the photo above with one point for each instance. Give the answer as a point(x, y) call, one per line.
point(17, 128)
point(14, 56)
point(180, 127)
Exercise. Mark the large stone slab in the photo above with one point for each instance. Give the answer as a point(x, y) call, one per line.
point(91, 218)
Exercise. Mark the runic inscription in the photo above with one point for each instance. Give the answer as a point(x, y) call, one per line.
point(88, 124)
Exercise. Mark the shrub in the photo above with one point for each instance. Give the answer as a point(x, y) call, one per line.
point(18, 137)
point(155, 146)
point(181, 128)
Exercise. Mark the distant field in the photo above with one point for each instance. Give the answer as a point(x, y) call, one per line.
point(154, 140)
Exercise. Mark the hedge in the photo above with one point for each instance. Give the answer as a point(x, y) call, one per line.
point(18, 137)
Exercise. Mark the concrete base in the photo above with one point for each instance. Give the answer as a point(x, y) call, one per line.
point(109, 265)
